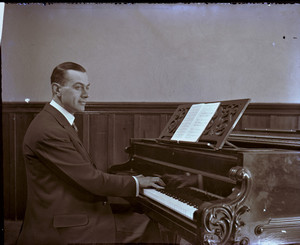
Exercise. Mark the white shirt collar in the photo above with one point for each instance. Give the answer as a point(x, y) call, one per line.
point(63, 111)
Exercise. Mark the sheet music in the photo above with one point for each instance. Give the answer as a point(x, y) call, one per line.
point(195, 122)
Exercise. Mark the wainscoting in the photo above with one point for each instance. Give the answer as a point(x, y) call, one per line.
point(105, 129)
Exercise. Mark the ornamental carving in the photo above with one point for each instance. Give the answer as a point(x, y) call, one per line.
point(221, 221)
point(222, 118)
point(177, 119)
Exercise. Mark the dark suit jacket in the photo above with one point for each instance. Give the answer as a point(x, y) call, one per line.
point(66, 192)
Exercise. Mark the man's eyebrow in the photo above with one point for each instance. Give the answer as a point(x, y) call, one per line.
point(80, 83)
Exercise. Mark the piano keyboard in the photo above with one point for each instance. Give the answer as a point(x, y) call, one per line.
point(178, 206)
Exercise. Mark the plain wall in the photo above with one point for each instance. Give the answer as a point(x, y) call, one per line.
point(155, 52)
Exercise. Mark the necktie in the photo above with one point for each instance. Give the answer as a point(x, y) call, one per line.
point(74, 126)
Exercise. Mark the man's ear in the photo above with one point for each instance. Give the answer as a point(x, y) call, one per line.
point(56, 89)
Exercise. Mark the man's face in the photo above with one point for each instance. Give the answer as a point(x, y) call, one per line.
point(74, 92)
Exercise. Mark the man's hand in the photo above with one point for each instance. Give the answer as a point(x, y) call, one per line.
point(180, 181)
point(150, 182)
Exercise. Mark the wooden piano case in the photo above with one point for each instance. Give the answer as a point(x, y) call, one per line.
point(255, 177)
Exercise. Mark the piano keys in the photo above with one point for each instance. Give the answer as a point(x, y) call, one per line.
point(173, 203)
point(184, 201)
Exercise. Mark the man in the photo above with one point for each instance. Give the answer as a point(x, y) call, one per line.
point(66, 202)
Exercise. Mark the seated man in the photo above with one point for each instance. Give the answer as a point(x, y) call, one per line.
point(66, 193)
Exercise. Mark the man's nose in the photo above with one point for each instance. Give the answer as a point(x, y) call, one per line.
point(85, 93)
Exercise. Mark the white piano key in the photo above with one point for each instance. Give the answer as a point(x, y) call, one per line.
point(170, 202)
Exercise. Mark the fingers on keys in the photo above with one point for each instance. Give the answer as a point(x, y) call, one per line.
point(158, 183)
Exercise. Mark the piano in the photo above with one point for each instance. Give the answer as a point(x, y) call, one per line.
point(248, 181)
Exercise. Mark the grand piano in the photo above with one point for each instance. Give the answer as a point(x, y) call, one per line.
point(248, 181)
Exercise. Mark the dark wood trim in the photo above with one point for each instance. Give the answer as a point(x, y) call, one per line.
point(145, 107)
point(22, 106)
point(273, 108)
point(95, 106)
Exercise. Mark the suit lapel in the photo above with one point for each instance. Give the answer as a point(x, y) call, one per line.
point(56, 114)
point(60, 118)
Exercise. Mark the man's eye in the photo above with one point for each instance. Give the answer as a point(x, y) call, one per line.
point(78, 87)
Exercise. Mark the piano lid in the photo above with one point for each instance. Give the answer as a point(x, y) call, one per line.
point(218, 129)
point(267, 138)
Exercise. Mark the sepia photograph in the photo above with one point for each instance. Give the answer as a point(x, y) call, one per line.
point(150, 123)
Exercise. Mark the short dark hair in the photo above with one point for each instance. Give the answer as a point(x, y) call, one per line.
point(58, 74)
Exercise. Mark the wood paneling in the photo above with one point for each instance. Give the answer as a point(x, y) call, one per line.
point(255, 121)
point(283, 121)
point(97, 141)
point(105, 129)
point(14, 129)
point(8, 167)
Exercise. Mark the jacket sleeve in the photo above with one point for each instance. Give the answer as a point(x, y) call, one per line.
point(64, 155)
